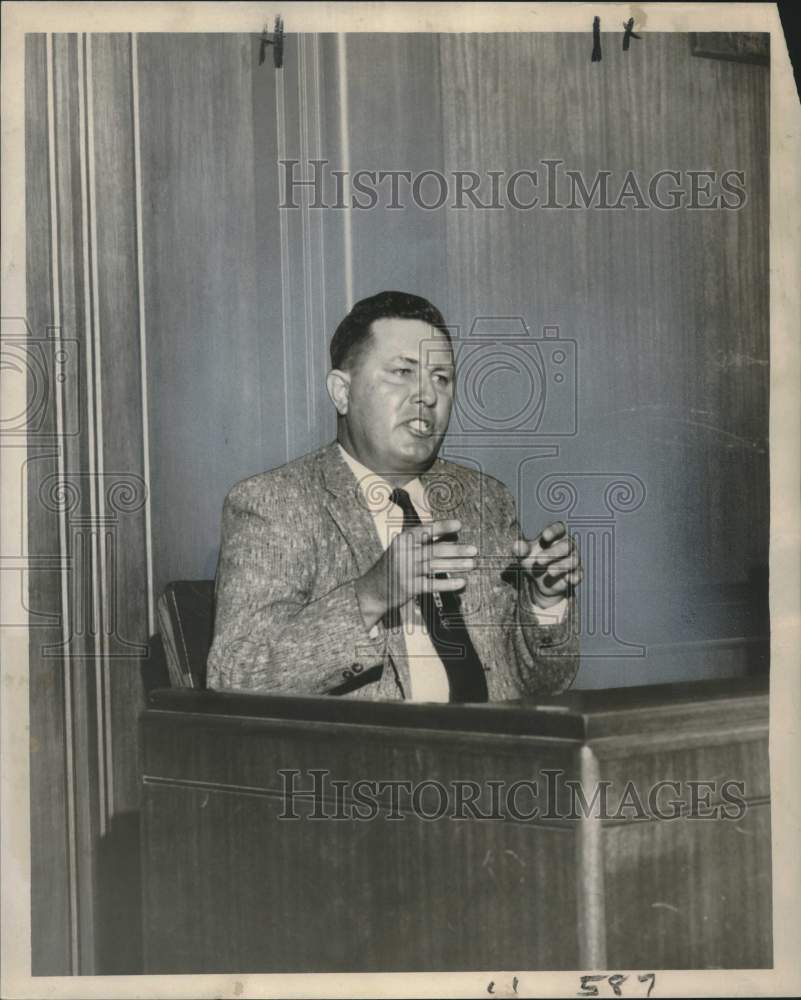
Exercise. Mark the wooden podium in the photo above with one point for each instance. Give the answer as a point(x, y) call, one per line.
point(667, 876)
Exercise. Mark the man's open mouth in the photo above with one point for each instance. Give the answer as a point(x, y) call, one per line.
point(420, 427)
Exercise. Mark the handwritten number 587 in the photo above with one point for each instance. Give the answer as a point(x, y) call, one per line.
point(615, 981)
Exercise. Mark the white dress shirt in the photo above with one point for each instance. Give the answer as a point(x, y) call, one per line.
point(428, 676)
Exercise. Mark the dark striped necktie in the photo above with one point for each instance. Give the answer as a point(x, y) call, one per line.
point(446, 628)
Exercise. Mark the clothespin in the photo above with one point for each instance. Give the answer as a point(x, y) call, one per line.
point(596, 39)
point(275, 39)
point(629, 33)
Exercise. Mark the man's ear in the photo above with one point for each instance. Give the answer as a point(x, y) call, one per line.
point(338, 384)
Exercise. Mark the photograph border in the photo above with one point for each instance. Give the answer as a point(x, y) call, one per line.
point(785, 464)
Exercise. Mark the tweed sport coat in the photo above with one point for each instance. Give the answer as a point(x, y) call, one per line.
point(294, 541)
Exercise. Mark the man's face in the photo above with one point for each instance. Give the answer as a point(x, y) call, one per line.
point(398, 397)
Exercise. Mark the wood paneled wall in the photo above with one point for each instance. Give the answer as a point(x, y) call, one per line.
point(215, 378)
point(395, 123)
point(666, 311)
point(194, 316)
point(88, 496)
point(669, 312)
point(240, 295)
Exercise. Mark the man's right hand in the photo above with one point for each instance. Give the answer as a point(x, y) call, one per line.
point(407, 569)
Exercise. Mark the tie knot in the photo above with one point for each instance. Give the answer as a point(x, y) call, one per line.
point(402, 499)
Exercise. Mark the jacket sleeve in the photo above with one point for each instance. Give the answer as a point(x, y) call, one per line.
point(544, 659)
point(272, 632)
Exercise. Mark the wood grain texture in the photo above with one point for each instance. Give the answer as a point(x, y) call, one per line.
point(213, 326)
point(209, 377)
point(250, 891)
point(372, 895)
point(599, 716)
point(693, 892)
point(692, 895)
point(669, 308)
point(86, 492)
point(62, 520)
point(124, 482)
point(395, 123)
point(297, 116)
point(50, 855)
point(398, 912)
point(78, 654)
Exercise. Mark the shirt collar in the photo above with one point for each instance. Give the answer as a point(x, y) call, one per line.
point(375, 489)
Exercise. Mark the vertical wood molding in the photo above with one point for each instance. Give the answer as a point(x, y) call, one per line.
point(303, 269)
point(93, 390)
point(105, 755)
point(304, 151)
point(344, 152)
point(50, 855)
point(121, 479)
point(590, 901)
point(140, 286)
point(280, 152)
point(313, 234)
point(84, 494)
point(55, 299)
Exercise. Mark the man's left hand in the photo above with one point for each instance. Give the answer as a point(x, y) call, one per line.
point(550, 564)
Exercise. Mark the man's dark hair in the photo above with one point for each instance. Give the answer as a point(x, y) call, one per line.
point(354, 332)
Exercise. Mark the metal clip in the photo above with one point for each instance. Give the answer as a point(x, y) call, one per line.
point(276, 39)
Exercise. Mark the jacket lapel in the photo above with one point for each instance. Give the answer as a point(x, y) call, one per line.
point(345, 504)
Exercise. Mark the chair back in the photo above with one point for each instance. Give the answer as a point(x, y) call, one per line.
point(186, 622)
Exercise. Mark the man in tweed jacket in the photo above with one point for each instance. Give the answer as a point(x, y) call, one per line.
point(319, 578)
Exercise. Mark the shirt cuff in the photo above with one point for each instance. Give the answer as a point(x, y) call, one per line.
point(554, 615)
